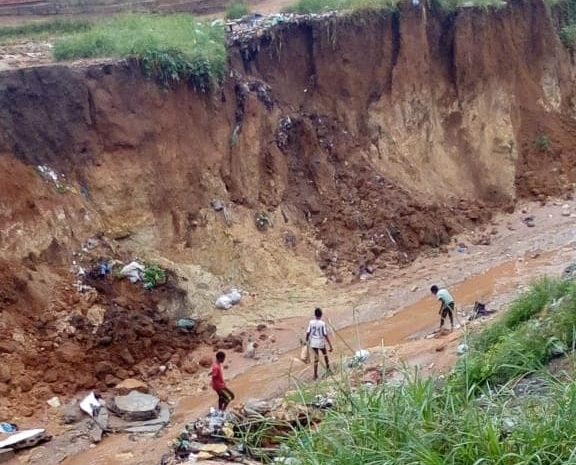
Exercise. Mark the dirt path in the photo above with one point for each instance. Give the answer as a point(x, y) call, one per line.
point(393, 313)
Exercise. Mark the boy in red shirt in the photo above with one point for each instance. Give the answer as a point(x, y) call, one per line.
point(225, 395)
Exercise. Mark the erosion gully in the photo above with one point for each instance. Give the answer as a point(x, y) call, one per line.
point(394, 311)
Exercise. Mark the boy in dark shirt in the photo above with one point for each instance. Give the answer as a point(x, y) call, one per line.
point(225, 395)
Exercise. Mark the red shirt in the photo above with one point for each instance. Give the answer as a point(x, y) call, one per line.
point(217, 377)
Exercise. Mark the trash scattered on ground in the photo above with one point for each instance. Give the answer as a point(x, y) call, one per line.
point(529, 221)
point(8, 428)
point(228, 300)
point(462, 349)
point(359, 358)
point(187, 324)
point(479, 311)
point(133, 271)
point(263, 221)
point(25, 439)
point(322, 402)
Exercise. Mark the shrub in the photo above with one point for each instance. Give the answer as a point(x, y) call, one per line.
point(168, 48)
point(236, 11)
point(542, 142)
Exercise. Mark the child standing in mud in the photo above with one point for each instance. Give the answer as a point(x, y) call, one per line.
point(446, 306)
point(317, 337)
point(225, 395)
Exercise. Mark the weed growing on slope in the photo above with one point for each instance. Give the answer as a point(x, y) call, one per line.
point(43, 29)
point(236, 10)
point(168, 48)
point(521, 343)
point(542, 142)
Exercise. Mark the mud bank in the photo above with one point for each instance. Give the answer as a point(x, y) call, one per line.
point(361, 140)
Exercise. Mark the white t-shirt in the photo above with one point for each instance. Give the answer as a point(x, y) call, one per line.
point(444, 296)
point(318, 332)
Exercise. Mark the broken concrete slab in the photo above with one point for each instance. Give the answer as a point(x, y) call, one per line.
point(136, 406)
point(24, 439)
point(148, 426)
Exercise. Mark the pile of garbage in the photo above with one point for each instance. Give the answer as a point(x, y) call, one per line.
point(227, 435)
point(256, 25)
point(227, 300)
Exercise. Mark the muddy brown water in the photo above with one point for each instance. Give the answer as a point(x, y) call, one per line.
point(272, 379)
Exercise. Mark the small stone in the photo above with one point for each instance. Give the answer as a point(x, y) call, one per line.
point(414, 289)
point(130, 384)
point(565, 212)
point(261, 327)
point(191, 367)
point(5, 374)
point(54, 402)
point(205, 361)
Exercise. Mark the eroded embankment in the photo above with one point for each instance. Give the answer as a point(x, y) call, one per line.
point(361, 139)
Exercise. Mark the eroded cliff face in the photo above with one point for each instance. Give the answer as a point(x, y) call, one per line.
point(363, 138)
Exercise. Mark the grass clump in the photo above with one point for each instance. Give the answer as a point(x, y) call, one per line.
point(453, 5)
point(168, 48)
point(322, 6)
point(236, 10)
point(538, 326)
point(43, 29)
point(542, 142)
point(427, 422)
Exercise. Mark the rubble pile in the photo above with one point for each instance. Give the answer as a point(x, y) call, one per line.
point(256, 26)
point(250, 430)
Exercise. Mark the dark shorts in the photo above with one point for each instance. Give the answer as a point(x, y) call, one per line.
point(447, 309)
point(317, 350)
point(225, 395)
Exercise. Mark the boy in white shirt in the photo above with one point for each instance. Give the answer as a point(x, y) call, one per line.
point(446, 305)
point(317, 337)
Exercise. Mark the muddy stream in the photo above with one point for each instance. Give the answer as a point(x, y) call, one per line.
point(394, 311)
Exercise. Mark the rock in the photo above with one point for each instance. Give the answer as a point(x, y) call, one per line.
point(4, 389)
point(95, 315)
point(136, 406)
point(102, 369)
point(205, 361)
point(5, 373)
point(214, 449)
point(191, 367)
point(72, 413)
point(414, 289)
point(127, 357)
point(130, 384)
point(565, 212)
point(7, 347)
point(529, 221)
point(111, 380)
point(54, 402)
point(261, 327)
point(25, 383)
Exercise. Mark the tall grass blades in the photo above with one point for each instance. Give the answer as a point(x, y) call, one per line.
point(168, 48)
point(236, 10)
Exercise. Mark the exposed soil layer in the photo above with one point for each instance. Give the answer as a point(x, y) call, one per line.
point(356, 142)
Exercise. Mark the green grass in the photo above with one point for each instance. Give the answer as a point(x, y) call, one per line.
point(236, 10)
point(538, 325)
point(436, 422)
point(43, 29)
point(321, 6)
point(168, 48)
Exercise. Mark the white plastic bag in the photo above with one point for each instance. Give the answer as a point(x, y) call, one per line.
point(223, 302)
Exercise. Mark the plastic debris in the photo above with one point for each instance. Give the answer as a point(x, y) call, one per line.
point(8, 428)
point(133, 271)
